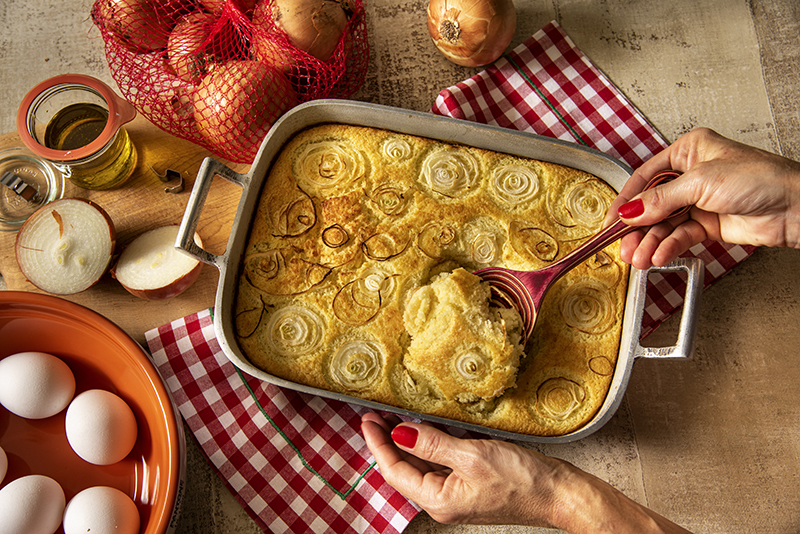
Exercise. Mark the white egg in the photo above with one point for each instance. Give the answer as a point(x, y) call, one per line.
point(35, 385)
point(101, 427)
point(101, 510)
point(32, 504)
point(3, 464)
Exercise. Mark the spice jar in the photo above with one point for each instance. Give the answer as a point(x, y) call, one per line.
point(75, 122)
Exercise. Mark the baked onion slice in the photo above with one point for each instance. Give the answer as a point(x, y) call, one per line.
point(471, 365)
point(335, 236)
point(515, 184)
point(328, 163)
point(451, 172)
point(532, 243)
point(389, 199)
point(361, 300)
point(283, 272)
point(434, 237)
point(600, 365)
point(396, 150)
point(290, 211)
point(484, 248)
point(382, 247)
point(294, 331)
point(582, 204)
point(587, 205)
point(559, 398)
point(357, 365)
point(587, 307)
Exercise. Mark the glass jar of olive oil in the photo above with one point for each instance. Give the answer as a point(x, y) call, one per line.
point(76, 122)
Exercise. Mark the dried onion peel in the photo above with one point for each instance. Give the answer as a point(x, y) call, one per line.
point(472, 33)
point(66, 246)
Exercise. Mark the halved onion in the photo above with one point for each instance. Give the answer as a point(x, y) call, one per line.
point(66, 246)
point(295, 330)
point(450, 172)
point(152, 268)
point(357, 365)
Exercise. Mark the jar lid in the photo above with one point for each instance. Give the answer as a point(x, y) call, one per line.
point(27, 182)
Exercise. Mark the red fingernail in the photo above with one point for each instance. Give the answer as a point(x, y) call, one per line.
point(405, 436)
point(632, 209)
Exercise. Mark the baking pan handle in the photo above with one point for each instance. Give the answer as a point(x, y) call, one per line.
point(185, 240)
point(685, 344)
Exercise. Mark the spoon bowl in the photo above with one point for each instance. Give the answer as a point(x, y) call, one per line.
point(525, 290)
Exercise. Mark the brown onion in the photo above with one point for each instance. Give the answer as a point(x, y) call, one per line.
point(472, 33)
point(237, 103)
point(186, 48)
point(313, 26)
point(140, 25)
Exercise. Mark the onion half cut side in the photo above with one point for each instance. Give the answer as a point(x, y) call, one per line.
point(152, 268)
point(66, 246)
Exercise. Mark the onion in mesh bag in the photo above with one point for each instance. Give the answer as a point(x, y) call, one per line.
point(237, 102)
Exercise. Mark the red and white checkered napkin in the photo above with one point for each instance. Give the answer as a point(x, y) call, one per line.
point(296, 463)
point(549, 87)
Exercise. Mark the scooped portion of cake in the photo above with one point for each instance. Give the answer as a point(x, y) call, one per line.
point(468, 348)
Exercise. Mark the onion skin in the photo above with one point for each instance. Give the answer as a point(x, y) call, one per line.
point(186, 48)
point(215, 6)
point(237, 103)
point(313, 26)
point(472, 33)
point(140, 25)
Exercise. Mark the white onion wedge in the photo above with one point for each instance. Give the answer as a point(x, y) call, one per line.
point(66, 246)
point(152, 268)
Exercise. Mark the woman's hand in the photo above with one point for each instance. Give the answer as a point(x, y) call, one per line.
point(495, 482)
point(740, 194)
point(465, 481)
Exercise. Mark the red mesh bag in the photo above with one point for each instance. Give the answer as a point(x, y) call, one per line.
point(221, 72)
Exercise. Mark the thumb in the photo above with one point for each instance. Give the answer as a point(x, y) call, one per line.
point(427, 443)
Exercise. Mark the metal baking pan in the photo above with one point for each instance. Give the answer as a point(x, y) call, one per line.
point(446, 129)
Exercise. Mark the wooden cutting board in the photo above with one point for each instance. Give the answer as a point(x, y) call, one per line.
point(139, 205)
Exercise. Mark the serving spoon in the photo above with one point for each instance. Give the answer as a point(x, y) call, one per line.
point(525, 290)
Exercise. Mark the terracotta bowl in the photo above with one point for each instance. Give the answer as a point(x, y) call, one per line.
point(102, 356)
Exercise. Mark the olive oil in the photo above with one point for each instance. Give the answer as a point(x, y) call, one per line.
point(77, 125)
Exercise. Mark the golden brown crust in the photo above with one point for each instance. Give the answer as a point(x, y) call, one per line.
point(352, 221)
